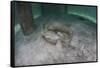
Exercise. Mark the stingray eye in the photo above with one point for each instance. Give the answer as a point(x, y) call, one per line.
point(55, 32)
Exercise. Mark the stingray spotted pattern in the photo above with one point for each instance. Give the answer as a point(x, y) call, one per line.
point(57, 40)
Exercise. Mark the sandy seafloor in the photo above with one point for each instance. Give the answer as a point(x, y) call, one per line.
point(33, 50)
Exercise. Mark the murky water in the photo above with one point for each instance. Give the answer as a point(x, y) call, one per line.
point(63, 39)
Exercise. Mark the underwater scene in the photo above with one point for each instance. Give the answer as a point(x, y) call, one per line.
point(49, 33)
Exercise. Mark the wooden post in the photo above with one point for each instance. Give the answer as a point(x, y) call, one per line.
point(24, 11)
